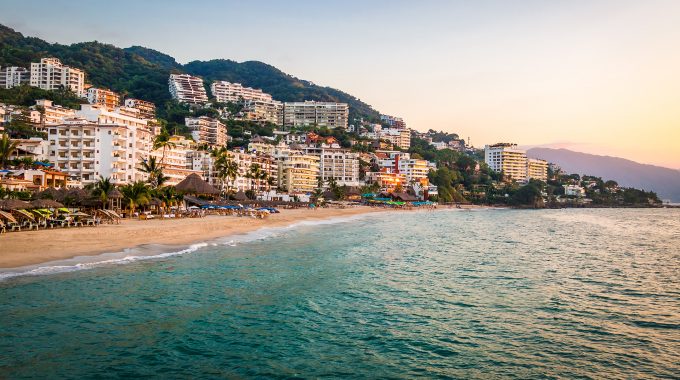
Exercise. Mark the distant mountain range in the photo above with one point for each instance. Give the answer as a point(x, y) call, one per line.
point(143, 73)
point(664, 181)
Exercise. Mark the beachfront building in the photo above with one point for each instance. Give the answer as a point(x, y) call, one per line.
point(104, 97)
point(53, 114)
point(99, 142)
point(43, 178)
point(388, 181)
point(187, 89)
point(248, 163)
point(176, 160)
point(309, 113)
point(147, 110)
point(50, 74)
point(574, 191)
point(508, 159)
point(13, 76)
point(206, 130)
point(413, 169)
point(537, 169)
point(297, 172)
point(336, 163)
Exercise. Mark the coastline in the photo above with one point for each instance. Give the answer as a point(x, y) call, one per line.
point(28, 248)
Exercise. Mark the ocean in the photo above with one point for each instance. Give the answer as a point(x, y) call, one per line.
point(576, 293)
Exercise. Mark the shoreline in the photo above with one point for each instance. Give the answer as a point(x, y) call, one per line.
point(32, 248)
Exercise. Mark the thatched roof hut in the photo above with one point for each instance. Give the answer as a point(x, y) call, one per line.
point(240, 196)
point(194, 184)
point(52, 193)
point(13, 204)
point(46, 203)
point(114, 194)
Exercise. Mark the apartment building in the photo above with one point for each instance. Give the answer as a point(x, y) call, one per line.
point(104, 97)
point(537, 169)
point(187, 89)
point(297, 172)
point(322, 114)
point(13, 76)
point(397, 137)
point(245, 161)
point(147, 110)
point(87, 149)
point(388, 181)
point(53, 114)
point(263, 111)
point(206, 130)
point(413, 169)
point(176, 160)
point(507, 158)
point(393, 121)
point(51, 74)
point(337, 163)
point(227, 92)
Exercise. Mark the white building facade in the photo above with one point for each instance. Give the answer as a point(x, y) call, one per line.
point(187, 89)
point(50, 74)
point(322, 114)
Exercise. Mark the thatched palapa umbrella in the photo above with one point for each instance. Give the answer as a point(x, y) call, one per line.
point(240, 196)
point(46, 203)
point(13, 204)
point(52, 193)
point(194, 184)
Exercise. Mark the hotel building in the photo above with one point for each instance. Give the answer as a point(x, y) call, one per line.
point(187, 89)
point(227, 92)
point(537, 169)
point(103, 97)
point(147, 110)
point(206, 130)
point(322, 114)
point(176, 160)
point(397, 137)
point(53, 114)
point(13, 76)
point(51, 74)
point(245, 160)
point(297, 172)
point(337, 163)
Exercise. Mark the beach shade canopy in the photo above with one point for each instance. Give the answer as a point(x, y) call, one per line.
point(240, 196)
point(13, 204)
point(78, 194)
point(63, 209)
point(8, 216)
point(46, 203)
point(52, 193)
point(194, 184)
point(115, 194)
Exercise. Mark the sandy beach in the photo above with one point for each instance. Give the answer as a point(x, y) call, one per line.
point(35, 247)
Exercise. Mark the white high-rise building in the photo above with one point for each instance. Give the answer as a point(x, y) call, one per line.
point(51, 74)
point(227, 92)
point(206, 130)
point(398, 137)
point(13, 76)
point(53, 114)
point(337, 163)
point(88, 149)
point(508, 159)
point(187, 89)
point(322, 114)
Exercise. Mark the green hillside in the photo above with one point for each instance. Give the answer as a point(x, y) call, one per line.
point(143, 73)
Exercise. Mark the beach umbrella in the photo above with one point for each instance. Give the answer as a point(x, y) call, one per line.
point(9, 217)
point(240, 196)
point(78, 194)
point(63, 209)
point(13, 204)
point(26, 214)
point(79, 214)
point(52, 193)
point(194, 184)
point(46, 203)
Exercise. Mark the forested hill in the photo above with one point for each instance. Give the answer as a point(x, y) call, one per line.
point(143, 73)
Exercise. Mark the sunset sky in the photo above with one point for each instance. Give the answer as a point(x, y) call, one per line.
point(596, 76)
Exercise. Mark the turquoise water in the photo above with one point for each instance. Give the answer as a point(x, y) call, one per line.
point(450, 294)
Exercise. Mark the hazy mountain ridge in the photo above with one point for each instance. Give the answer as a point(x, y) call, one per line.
point(664, 181)
point(143, 73)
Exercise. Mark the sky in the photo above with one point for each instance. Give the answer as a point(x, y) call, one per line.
point(598, 76)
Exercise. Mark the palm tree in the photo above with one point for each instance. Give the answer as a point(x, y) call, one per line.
point(136, 194)
point(102, 188)
point(155, 172)
point(7, 147)
point(256, 174)
point(224, 166)
point(162, 141)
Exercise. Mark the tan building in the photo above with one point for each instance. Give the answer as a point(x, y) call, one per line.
point(176, 161)
point(298, 172)
point(206, 130)
point(537, 169)
point(508, 159)
point(104, 97)
point(147, 110)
